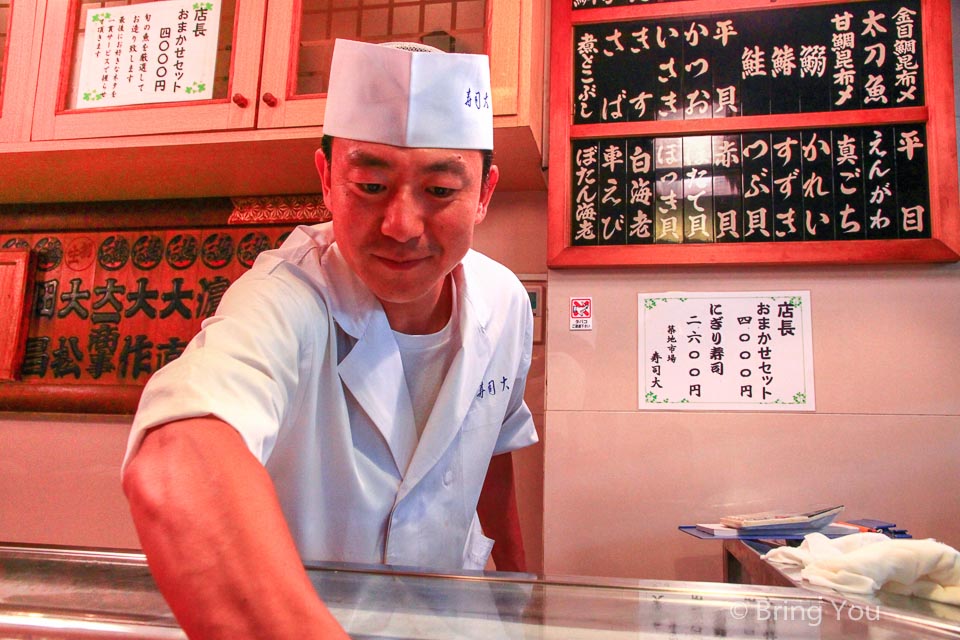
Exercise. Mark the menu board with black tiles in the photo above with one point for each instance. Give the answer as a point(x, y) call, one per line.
point(850, 183)
point(803, 122)
point(821, 58)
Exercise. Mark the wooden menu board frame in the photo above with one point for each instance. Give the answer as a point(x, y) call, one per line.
point(937, 115)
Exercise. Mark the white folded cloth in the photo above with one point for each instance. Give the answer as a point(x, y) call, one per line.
point(865, 563)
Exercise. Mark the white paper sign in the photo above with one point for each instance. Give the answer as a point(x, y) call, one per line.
point(726, 351)
point(147, 53)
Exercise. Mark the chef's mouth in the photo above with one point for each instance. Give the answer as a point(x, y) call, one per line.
point(401, 263)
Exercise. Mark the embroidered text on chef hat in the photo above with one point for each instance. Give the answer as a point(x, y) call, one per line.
point(391, 95)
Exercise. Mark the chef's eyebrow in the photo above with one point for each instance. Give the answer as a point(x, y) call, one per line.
point(454, 166)
point(361, 158)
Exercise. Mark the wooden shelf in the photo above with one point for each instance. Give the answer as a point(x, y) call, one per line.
point(236, 163)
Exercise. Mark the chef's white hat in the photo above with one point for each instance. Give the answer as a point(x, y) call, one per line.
point(387, 94)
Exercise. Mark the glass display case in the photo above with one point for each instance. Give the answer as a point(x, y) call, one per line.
point(96, 593)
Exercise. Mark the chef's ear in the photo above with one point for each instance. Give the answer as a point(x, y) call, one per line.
point(323, 168)
point(486, 192)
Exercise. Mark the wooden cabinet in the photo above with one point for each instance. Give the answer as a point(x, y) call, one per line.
point(238, 64)
point(258, 133)
point(18, 46)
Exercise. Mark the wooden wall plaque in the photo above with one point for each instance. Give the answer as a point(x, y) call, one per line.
point(117, 289)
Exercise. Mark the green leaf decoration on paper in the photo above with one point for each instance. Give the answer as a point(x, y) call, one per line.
point(100, 17)
point(652, 398)
point(800, 398)
point(91, 96)
point(196, 87)
point(203, 6)
point(795, 301)
point(650, 303)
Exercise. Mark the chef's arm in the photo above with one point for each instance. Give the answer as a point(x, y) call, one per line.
point(215, 538)
point(499, 516)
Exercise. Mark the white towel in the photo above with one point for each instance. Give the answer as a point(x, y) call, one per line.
point(868, 562)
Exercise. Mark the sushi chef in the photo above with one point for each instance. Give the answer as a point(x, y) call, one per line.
point(346, 400)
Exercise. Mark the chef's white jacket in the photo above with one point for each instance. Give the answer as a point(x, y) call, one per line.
point(301, 361)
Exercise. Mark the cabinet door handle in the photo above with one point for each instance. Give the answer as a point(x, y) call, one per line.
point(240, 101)
point(270, 99)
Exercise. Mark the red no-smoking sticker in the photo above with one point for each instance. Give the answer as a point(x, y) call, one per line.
point(581, 314)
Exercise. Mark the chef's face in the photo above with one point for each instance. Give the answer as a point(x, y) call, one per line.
point(403, 218)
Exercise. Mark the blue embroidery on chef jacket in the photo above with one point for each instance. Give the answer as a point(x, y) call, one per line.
point(489, 387)
point(474, 99)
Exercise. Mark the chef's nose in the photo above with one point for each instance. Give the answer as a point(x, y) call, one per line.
point(402, 218)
